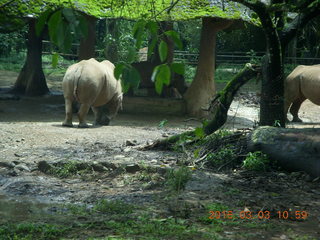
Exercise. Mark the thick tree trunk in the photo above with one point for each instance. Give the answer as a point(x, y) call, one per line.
point(202, 87)
point(87, 45)
point(31, 80)
point(272, 87)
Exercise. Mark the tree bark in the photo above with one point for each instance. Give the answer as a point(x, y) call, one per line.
point(31, 80)
point(87, 44)
point(202, 87)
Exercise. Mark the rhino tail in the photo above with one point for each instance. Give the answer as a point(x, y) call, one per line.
point(77, 77)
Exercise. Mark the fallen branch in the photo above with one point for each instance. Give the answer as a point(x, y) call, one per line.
point(221, 103)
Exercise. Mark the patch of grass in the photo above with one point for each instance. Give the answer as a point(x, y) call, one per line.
point(177, 179)
point(70, 168)
point(113, 207)
point(146, 227)
point(221, 156)
point(30, 231)
point(256, 161)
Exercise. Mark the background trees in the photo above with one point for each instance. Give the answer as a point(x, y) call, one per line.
point(274, 18)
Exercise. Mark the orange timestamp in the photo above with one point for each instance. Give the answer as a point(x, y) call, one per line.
point(286, 214)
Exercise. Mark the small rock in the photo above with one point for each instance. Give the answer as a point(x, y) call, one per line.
point(17, 155)
point(282, 175)
point(44, 167)
point(22, 167)
point(132, 168)
point(7, 165)
point(127, 149)
point(131, 142)
point(118, 157)
point(99, 168)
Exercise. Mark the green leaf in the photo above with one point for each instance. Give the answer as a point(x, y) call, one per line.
point(163, 50)
point(199, 132)
point(132, 54)
point(118, 70)
point(55, 60)
point(152, 45)
point(158, 87)
point(82, 27)
point(178, 68)
point(69, 15)
point(154, 73)
point(42, 20)
point(137, 27)
point(153, 28)
point(161, 75)
point(130, 78)
point(54, 22)
point(175, 38)
point(164, 74)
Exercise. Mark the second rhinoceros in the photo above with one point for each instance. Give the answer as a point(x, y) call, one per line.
point(92, 84)
point(301, 84)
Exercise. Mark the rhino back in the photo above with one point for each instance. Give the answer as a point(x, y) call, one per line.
point(111, 86)
point(310, 84)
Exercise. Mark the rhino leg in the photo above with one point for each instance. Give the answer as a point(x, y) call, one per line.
point(68, 120)
point(294, 109)
point(82, 114)
point(101, 117)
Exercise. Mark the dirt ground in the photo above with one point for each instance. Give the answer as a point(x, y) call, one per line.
point(32, 138)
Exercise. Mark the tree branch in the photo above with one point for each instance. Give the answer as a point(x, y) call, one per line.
point(308, 13)
point(7, 3)
point(220, 104)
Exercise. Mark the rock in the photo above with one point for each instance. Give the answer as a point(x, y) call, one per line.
point(7, 165)
point(293, 149)
point(131, 142)
point(132, 168)
point(44, 167)
point(22, 167)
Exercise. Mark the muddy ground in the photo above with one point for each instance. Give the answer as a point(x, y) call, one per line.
point(33, 142)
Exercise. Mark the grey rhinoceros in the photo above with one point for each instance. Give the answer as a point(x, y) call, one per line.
point(301, 84)
point(92, 84)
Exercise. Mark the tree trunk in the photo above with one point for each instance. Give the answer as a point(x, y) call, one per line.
point(87, 44)
point(272, 87)
point(202, 87)
point(31, 80)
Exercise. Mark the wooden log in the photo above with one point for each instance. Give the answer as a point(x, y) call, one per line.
point(293, 149)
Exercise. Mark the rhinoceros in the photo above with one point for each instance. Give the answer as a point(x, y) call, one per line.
point(301, 84)
point(92, 84)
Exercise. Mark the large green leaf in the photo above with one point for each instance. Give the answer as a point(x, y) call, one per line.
point(163, 50)
point(178, 68)
point(42, 20)
point(164, 74)
point(175, 38)
point(153, 27)
point(55, 59)
point(138, 31)
point(161, 76)
point(54, 22)
point(130, 78)
point(118, 70)
point(152, 45)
